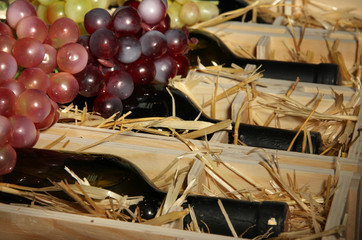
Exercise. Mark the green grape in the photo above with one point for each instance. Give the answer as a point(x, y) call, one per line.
point(100, 3)
point(208, 10)
point(182, 1)
point(76, 9)
point(41, 12)
point(189, 13)
point(55, 11)
point(173, 12)
point(46, 2)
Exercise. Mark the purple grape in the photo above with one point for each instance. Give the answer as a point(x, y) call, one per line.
point(152, 11)
point(176, 41)
point(126, 21)
point(119, 83)
point(153, 44)
point(103, 43)
point(107, 104)
point(129, 49)
point(90, 80)
point(166, 68)
point(143, 71)
point(97, 18)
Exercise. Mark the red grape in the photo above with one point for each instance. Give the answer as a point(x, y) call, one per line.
point(6, 43)
point(5, 130)
point(63, 87)
point(48, 120)
point(8, 66)
point(18, 10)
point(32, 26)
point(72, 58)
point(15, 86)
point(24, 132)
point(7, 159)
point(7, 102)
point(62, 31)
point(49, 62)
point(5, 30)
point(183, 65)
point(28, 52)
point(34, 104)
point(34, 78)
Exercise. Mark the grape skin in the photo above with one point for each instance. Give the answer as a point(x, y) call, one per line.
point(72, 58)
point(8, 65)
point(152, 11)
point(25, 133)
point(18, 10)
point(28, 52)
point(34, 104)
point(62, 31)
point(7, 159)
point(63, 87)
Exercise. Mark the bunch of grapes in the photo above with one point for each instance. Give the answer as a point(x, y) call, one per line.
point(51, 10)
point(30, 89)
point(187, 12)
point(133, 45)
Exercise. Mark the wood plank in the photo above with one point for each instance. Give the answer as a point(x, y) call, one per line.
point(29, 224)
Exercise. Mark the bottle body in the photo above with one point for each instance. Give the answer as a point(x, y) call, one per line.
point(36, 166)
point(211, 49)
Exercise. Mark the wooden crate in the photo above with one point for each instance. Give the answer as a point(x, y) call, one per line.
point(202, 87)
point(276, 42)
point(152, 154)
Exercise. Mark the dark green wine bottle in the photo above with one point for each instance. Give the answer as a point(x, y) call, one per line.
point(35, 166)
point(154, 101)
point(211, 49)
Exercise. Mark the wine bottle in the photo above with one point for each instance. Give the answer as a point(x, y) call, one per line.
point(211, 49)
point(35, 167)
point(154, 101)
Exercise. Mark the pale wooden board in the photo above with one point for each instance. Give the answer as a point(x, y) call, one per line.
point(30, 224)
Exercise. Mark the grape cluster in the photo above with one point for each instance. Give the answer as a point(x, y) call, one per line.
point(30, 88)
point(186, 12)
point(51, 10)
point(133, 45)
